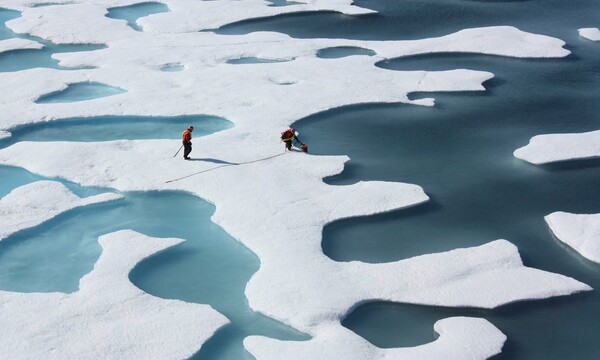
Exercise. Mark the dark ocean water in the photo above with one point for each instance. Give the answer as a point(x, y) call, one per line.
point(459, 151)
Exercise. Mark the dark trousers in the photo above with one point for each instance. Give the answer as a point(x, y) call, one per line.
point(187, 148)
point(288, 144)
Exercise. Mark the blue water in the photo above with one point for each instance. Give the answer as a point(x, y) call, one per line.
point(460, 151)
point(106, 128)
point(277, 3)
point(343, 51)
point(172, 68)
point(254, 60)
point(18, 60)
point(132, 13)
point(80, 92)
point(6, 15)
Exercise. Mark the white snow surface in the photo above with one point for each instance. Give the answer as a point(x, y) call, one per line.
point(32, 204)
point(18, 44)
point(590, 33)
point(108, 317)
point(579, 231)
point(459, 338)
point(4, 135)
point(549, 148)
point(278, 206)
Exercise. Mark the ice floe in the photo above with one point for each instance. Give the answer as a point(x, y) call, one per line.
point(4, 134)
point(590, 33)
point(108, 317)
point(18, 44)
point(579, 231)
point(549, 148)
point(459, 338)
point(32, 204)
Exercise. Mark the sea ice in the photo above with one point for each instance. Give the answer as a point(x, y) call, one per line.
point(108, 317)
point(18, 44)
point(32, 204)
point(459, 338)
point(4, 134)
point(560, 147)
point(590, 33)
point(579, 231)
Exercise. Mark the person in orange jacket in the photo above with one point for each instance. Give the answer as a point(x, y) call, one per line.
point(186, 138)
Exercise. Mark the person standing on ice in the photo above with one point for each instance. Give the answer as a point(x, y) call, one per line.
point(186, 138)
point(288, 136)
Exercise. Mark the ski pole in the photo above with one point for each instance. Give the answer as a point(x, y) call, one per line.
point(178, 151)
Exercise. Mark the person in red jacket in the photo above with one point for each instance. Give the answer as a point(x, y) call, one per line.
point(186, 138)
point(289, 135)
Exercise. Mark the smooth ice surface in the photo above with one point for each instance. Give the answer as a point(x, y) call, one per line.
point(32, 204)
point(108, 317)
point(548, 148)
point(284, 231)
point(590, 33)
point(579, 231)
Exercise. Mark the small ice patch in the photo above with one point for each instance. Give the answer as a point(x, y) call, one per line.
point(590, 33)
point(18, 44)
point(549, 148)
point(579, 231)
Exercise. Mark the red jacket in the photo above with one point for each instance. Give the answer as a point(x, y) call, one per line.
point(186, 135)
point(287, 135)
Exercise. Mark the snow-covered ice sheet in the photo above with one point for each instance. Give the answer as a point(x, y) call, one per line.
point(459, 338)
point(579, 231)
point(18, 44)
point(590, 33)
point(274, 203)
point(549, 148)
point(32, 204)
point(108, 317)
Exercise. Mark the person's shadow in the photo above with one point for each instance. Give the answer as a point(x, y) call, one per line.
point(216, 161)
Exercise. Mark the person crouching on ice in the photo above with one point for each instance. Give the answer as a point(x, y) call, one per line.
point(186, 138)
point(288, 136)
